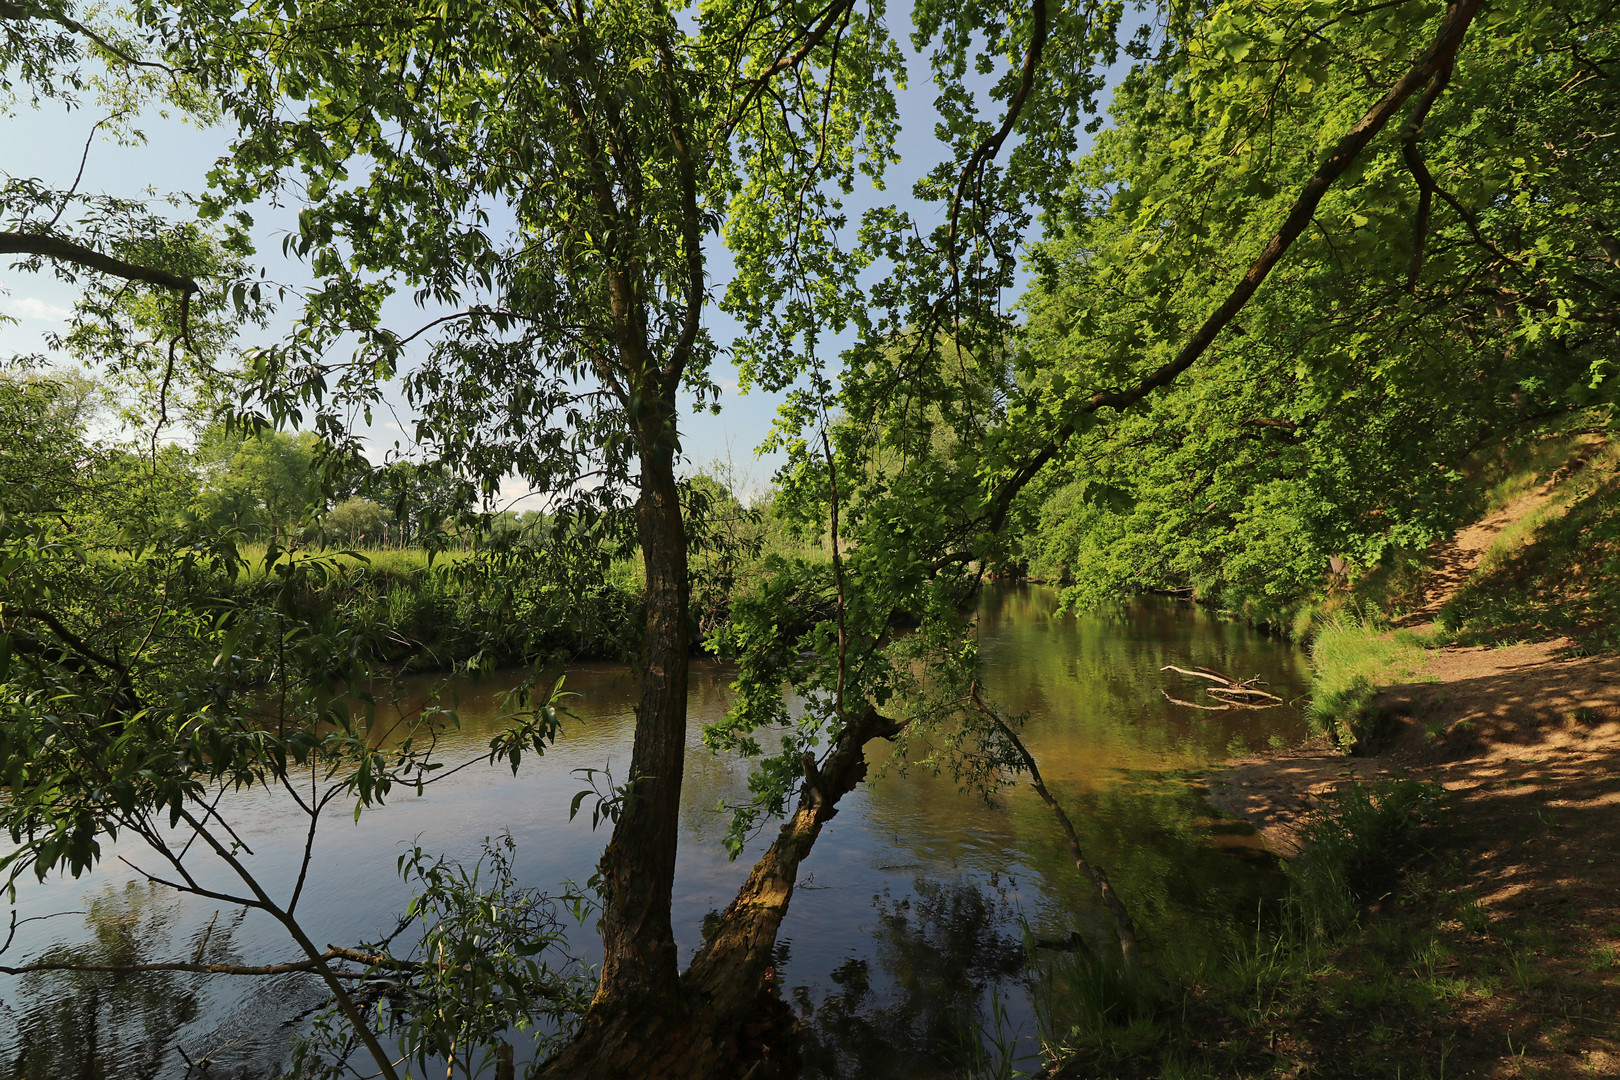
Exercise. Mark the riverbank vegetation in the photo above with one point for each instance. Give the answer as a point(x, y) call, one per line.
point(1249, 1010)
point(1486, 946)
point(1321, 270)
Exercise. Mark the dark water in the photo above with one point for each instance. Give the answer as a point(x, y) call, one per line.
point(905, 935)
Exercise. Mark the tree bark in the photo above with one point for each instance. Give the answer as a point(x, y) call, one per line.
point(726, 974)
point(60, 250)
point(639, 969)
point(703, 1037)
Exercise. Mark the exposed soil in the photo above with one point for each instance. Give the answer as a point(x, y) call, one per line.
point(1453, 562)
point(1527, 742)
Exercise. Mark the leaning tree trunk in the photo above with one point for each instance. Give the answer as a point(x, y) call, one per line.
point(650, 1024)
point(725, 989)
point(726, 974)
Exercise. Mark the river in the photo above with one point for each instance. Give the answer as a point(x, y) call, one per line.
point(906, 933)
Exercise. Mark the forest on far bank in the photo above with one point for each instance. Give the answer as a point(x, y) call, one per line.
point(1322, 279)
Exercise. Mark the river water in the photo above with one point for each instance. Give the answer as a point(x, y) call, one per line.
point(906, 934)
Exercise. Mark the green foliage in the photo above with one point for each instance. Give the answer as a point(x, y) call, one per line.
point(42, 422)
point(354, 520)
point(136, 693)
point(98, 730)
point(1357, 843)
point(481, 965)
point(571, 336)
point(1338, 418)
point(1332, 419)
point(264, 485)
point(1083, 999)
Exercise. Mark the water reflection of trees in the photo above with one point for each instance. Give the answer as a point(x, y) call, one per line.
point(89, 1024)
point(86, 1025)
point(1191, 880)
point(937, 952)
point(1093, 680)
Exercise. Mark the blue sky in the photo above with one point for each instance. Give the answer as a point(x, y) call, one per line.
point(47, 143)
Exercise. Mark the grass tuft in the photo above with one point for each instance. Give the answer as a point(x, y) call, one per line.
point(1353, 657)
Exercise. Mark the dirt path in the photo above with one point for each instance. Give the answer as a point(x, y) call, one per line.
point(1527, 741)
point(1455, 560)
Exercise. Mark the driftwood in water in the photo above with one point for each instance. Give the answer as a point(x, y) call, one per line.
point(1228, 693)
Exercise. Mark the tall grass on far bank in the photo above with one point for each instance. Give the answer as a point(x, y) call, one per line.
point(448, 609)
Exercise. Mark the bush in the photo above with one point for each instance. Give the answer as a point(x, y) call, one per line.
point(1355, 845)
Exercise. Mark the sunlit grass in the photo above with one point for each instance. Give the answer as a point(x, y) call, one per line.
point(1352, 659)
point(1554, 571)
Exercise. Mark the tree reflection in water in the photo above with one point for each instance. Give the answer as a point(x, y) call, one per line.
point(939, 951)
point(86, 1025)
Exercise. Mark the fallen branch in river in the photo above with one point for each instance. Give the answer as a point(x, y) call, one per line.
point(1229, 693)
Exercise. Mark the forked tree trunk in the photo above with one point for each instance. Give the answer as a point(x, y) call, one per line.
point(701, 1038)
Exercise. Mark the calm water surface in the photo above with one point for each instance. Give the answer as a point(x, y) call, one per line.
point(908, 921)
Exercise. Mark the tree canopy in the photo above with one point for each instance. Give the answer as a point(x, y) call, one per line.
point(1322, 253)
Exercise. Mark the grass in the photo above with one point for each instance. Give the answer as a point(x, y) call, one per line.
point(1473, 918)
point(1081, 998)
point(440, 611)
point(1381, 963)
point(1554, 572)
point(1355, 846)
point(1516, 469)
point(1234, 1013)
point(1493, 480)
point(1352, 658)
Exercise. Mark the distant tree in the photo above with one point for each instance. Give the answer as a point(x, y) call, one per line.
point(141, 495)
point(45, 427)
point(264, 484)
point(422, 499)
point(355, 520)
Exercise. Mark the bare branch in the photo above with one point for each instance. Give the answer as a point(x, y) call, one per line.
point(1194, 704)
point(811, 38)
point(691, 224)
point(1231, 693)
point(19, 13)
point(988, 149)
point(1124, 927)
